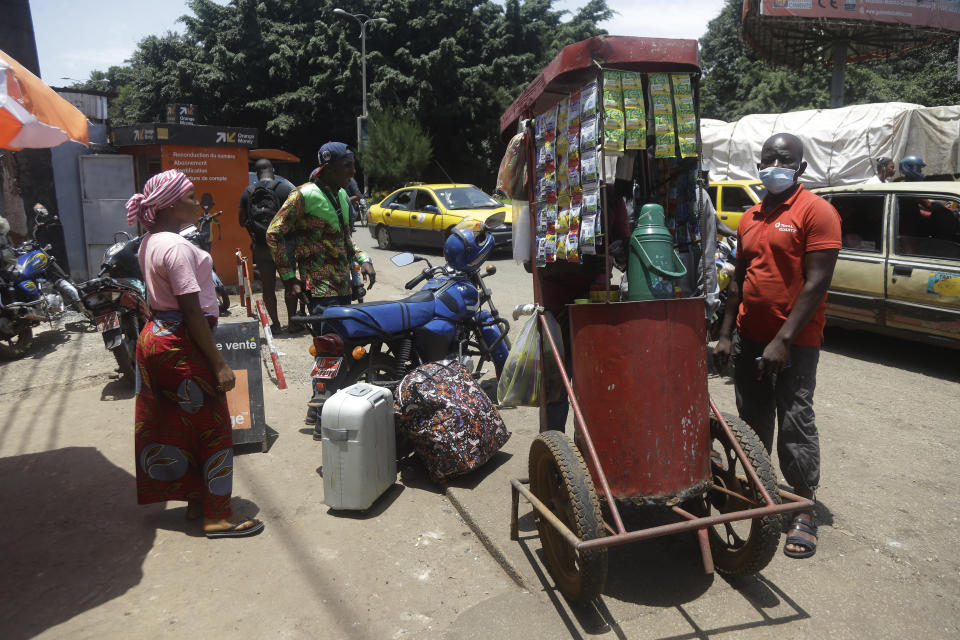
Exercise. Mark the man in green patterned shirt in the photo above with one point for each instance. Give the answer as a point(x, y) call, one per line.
point(316, 217)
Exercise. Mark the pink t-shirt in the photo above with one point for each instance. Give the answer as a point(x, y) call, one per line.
point(172, 267)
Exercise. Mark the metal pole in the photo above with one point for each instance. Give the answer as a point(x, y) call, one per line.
point(363, 63)
point(839, 73)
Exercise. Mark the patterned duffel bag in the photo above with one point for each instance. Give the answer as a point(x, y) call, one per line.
point(453, 425)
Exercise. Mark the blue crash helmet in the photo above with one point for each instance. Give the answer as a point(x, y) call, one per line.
point(911, 168)
point(468, 246)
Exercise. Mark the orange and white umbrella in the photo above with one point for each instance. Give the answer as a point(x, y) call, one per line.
point(32, 115)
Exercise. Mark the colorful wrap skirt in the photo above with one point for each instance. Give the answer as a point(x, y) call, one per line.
point(183, 441)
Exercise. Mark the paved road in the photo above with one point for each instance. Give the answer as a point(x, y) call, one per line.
point(82, 560)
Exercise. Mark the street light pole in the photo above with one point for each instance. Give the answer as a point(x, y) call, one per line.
point(363, 20)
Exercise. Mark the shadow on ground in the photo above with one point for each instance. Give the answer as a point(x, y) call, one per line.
point(665, 572)
point(893, 352)
point(74, 537)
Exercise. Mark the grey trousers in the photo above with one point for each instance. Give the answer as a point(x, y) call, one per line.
point(786, 398)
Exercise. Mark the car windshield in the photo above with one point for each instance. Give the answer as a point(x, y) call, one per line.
point(465, 198)
point(759, 189)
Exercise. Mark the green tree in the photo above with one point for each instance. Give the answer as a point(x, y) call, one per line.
point(399, 150)
point(292, 69)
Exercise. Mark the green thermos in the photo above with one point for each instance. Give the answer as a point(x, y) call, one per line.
point(653, 264)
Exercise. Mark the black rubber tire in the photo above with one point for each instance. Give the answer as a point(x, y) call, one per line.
point(732, 554)
point(126, 353)
point(125, 362)
point(223, 299)
point(560, 479)
point(383, 238)
point(384, 367)
point(17, 346)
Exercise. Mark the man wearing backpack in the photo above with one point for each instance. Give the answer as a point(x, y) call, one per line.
point(259, 203)
point(311, 234)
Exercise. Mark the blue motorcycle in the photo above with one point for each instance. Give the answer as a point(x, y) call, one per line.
point(28, 298)
point(453, 315)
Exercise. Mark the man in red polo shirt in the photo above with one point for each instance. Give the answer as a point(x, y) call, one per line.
point(787, 248)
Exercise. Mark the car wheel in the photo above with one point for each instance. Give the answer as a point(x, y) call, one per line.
point(383, 237)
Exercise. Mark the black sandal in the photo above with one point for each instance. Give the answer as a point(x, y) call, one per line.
point(809, 546)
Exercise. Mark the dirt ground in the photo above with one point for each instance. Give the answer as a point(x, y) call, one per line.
point(83, 560)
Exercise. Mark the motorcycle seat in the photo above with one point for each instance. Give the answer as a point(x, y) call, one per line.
point(373, 319)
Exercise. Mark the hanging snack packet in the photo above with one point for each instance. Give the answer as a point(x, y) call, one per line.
point(576, 209)
point(663, 115)
point(635, 134)
point(573, 138)
point(563, 178)
point(563, 221)
point(542, 218)
point(630, 80)
point(573, 109)
point(612, 91)
point(613, 129)
point(633, 97)
point(573, 172)
point(613, 138)
point(635, 139)
point(573, 247)
point(634, 114)
point(591, 203)
point(588, 134)
point(562, 141)
point(542, 251)
point(588, 100)
point(686, 115)
point(550, 248)
point(550, 124)
point(551, 218)
point(634, 118)
point(589, 169)
point(588, 241)
point(561, 246)
point(659, 84)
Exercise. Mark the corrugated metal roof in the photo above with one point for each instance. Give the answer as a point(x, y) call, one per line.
point(90, 105)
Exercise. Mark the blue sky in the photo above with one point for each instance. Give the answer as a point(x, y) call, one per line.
point(75, 37)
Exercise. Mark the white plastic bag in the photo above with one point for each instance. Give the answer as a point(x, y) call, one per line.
point(522, 245)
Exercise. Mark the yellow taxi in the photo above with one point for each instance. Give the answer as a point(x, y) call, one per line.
point(899, 269)
point(424, 214)
point(732, 198)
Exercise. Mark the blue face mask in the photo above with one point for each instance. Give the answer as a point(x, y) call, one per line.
point(778, 179)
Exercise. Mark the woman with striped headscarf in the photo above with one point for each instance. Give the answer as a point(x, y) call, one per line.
point(184, 441)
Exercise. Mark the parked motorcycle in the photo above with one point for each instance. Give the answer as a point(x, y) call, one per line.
point(117, 302)
point(380, 342)
point(363, 212)
point(726, 262)
point(123, 262)
point(28, 297)
point(198, 234)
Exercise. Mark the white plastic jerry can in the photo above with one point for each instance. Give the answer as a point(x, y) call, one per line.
point(359, 446)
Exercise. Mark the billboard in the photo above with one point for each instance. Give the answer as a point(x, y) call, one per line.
point(220, 174)
point(930, 14)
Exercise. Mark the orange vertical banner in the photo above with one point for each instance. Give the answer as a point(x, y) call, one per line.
point(220, 174)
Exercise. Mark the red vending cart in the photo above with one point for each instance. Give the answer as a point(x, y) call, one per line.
point(609, 116)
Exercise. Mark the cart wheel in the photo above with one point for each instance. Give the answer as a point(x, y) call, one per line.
point(744, 547)
point(559, 478)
